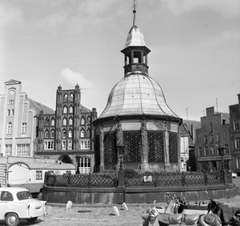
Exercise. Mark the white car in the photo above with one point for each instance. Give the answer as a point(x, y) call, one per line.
point(17, 204)
point(234, 175)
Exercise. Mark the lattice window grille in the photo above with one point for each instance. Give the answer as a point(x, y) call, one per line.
point(173, 147)
point(155, 147)
point(132, 150)
point(110, 153)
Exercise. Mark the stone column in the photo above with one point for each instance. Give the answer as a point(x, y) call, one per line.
point(166, 146)
point(101, 148)
point(144, 151)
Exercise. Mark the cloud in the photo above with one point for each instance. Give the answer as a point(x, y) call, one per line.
point(74, 78)
point(224, 37)
point(228, 8)
point(9, 14)
point(54, 19)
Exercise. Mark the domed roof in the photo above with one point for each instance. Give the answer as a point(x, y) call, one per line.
point(137, 94)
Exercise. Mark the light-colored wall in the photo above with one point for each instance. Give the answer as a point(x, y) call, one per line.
point(22, 113)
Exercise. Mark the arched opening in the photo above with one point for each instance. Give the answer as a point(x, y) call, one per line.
point(65, 158)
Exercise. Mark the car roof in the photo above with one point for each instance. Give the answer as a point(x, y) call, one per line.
point(13, 189)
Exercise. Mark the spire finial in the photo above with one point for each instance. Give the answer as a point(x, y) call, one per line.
point(134, 11)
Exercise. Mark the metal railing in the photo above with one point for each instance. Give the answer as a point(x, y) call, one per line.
point(134, 179)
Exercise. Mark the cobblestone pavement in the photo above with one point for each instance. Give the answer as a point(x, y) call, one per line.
point(102, 216)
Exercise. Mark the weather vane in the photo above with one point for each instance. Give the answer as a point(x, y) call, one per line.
point(134, 11)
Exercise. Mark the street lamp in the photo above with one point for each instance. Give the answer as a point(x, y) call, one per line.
point(78, 163)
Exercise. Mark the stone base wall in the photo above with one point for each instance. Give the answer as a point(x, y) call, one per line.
point(136, 195)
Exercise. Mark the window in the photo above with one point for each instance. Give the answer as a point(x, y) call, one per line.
point(70, 109)
point(200, 151)
point(69, 145)
point(47, 123)
point(85, 144)
point(82, 133)
point(64, 122)
point(63, 145)
point(70, 121)
point(23, 150)
point(84, 165)
point(12, 112)
point(64, 134)
point(206, 150)
point(24, 127)
point(70, 133)
point(52, 133)
point(65, 110)
point(88, 132)
point(227, 149)
point(46, 134)
point(6, 196)
point(8, 150)
point(89, 119)
point(9, 112)
point(11, 102)
point(211, 151)
point(211, 138)
point(48, 145)
point(9, 128)
point(211, 127)
point(237, 142)
point(236, 125)
point(52, 122)
point(205, 140)
point(238, 162)
point(39, 175)
point(82, 121)
point(218, 138)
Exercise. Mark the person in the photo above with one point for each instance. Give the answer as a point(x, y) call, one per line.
point(40, 195)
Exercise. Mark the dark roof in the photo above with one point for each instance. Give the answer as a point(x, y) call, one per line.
point(85, 110)
point(34, 104)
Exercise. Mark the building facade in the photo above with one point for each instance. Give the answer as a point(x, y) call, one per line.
point(67, 135)
point(18, 121)
point(214, 133)
point(187, 142)
point(235, 135)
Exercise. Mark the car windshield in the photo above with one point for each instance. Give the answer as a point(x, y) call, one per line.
point(24, 195)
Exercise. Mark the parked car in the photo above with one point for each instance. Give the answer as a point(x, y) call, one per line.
point(17, 204)
point(234, 175)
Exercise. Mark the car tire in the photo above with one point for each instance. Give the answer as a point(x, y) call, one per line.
point(12, 219)
point(32, 220)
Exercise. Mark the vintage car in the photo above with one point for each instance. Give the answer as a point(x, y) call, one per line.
point(17, 204)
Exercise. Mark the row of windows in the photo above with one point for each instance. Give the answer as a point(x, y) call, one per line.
point(65, 121)
point(209, 151)
point(10, 112)
point(11, 102)
point(68, 133)
point(23, 128)
point(66, 145)
point(23, 150)
point(211, 138)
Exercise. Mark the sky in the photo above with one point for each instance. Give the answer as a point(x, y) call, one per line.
point(195, 49)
